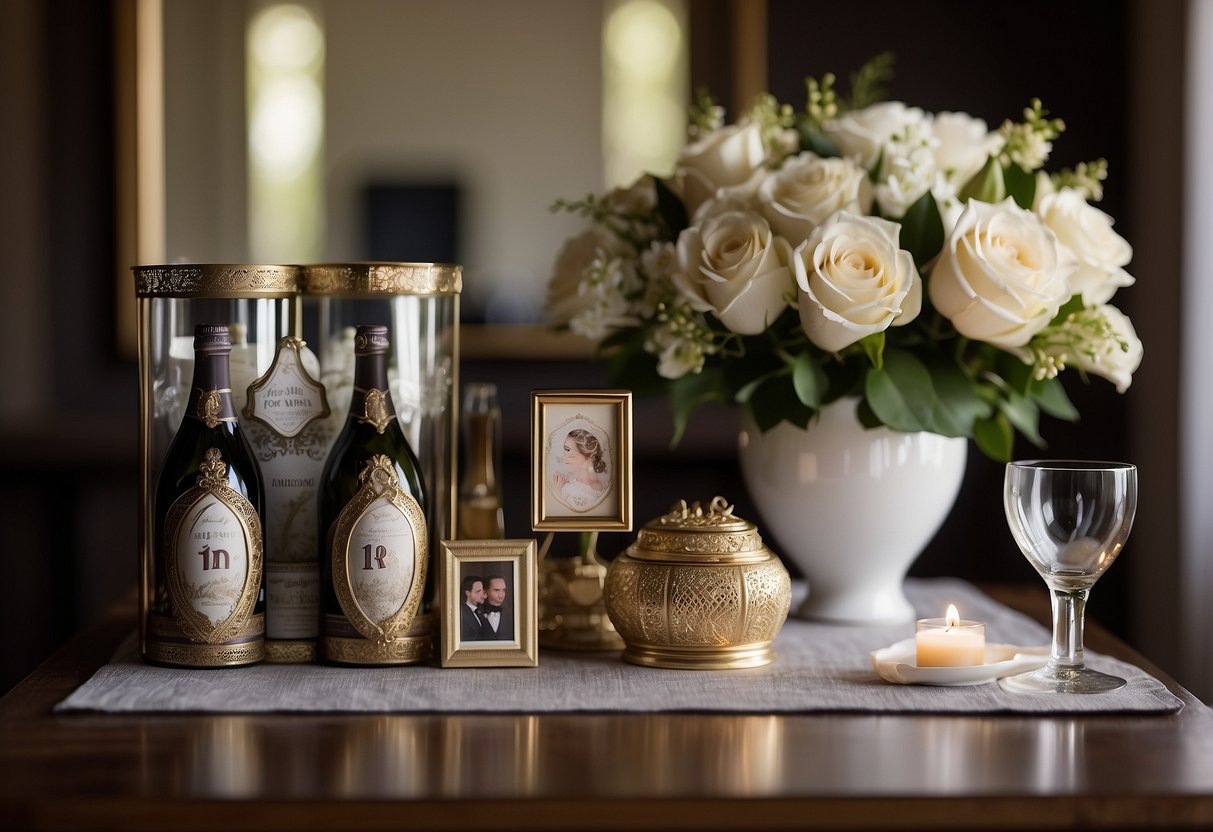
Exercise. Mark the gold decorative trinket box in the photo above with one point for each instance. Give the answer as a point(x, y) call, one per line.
point(698, 590)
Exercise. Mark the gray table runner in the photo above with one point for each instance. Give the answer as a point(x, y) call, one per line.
point(819, 667)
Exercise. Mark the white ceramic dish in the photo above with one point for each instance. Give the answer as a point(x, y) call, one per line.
point(895, 664)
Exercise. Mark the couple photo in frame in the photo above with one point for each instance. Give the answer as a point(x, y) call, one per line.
point(489, 595)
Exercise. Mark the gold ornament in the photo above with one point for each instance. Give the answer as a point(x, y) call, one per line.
point(698, 590)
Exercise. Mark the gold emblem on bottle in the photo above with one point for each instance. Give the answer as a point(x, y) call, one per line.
point(379, 555)
point(377, 412)
point(213, 534)
point(209, 408)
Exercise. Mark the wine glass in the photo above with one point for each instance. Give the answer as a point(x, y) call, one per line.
point(1071, 519)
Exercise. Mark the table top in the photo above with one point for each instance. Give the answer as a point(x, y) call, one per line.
point(594, 771)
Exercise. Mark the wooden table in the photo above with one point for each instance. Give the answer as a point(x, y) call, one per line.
point(609, 771)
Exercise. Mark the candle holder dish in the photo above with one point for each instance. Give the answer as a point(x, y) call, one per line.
point(897, 664)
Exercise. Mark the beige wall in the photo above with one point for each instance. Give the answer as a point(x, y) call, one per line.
point(502, 97)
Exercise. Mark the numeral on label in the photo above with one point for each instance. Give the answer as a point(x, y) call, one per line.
point(379, 557)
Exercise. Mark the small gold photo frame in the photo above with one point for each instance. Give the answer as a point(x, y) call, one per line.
point(581, 460)
point(489, 592)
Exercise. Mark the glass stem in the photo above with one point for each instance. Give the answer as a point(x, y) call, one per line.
point(1069, 607)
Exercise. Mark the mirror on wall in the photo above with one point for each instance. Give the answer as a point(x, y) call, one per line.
point(320, 130)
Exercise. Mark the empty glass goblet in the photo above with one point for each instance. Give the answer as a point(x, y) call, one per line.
point(1071, 519)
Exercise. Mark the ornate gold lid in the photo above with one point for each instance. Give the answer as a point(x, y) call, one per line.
point(383, 279)
point(689, 534)
point(216, 280)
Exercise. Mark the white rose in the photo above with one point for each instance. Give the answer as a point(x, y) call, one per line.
point(1001, 276)
point(800, 195)
point(1111, 349)
point(725, 157)
point(1087, 232)
point(862, 134)
point(855, 279)
point(636, 200)
point(735, 267)
point(566, 293)
point(963, 144)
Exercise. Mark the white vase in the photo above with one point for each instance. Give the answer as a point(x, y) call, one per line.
point(852, 508)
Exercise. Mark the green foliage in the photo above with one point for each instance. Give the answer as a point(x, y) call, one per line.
point(692, 390)
point(994, 437)
point(808, 380)
point(922, 230)
point(1021, 185)
point(987, 185)
point(868, 84)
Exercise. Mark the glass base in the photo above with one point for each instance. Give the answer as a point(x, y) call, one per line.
point(1051, 679)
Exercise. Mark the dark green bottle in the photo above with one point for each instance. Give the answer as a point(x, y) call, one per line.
point(208, 608)
point(374, 542)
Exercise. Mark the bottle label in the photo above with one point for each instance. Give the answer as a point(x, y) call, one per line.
point(286, 399)
point(292, 598)
point(213, 562)
point(379, 555)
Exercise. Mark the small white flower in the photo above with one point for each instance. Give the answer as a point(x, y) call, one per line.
point(863, 134)
point(1100, 341)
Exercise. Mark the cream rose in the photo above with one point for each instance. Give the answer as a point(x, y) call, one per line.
point(735, 267)
point(855, 279)
point(566, 291)
point(800, 195)
point(723, 158)
point(1111, 349)
point(1002, 275)
point(962, 145)
point(862, 134)
point(1086, 231)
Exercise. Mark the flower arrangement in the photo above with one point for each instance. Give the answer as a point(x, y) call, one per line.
point(920, 262)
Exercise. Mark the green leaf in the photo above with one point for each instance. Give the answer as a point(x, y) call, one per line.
point(901, 393)
point(1014, 372)
point(1067, 309)
point(775, 400)
point(922, 230)
point(817, 142)
point(958, 404)
point(1050, 396)
point(690, 391)
point(1021, 185)
point(671, 209)
point(808, 380)
point(1024, 415)
point(994, 437)
point(620, 337)
point(746, 391)
point(987, 185)
point(866, 417)
point(633, 368)
point(844, 379)
point(873, 348)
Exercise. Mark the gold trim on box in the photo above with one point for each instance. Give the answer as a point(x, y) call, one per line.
point(383, 279)
point(196, 655)
point(541, 520)
point(378, 480)
point(290, 651)
point(216, 281)
point(702, 658)
point(522, 553)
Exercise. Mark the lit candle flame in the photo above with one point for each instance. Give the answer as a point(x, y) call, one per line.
point(952, 619)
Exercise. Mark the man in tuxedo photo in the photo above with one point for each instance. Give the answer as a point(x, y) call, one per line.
point(472, 626)
point(499, 623)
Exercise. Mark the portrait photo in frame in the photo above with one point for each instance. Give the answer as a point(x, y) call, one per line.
point(489, 592)
point(581, 460)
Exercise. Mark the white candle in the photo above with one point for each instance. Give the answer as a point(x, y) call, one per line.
point(949, 641)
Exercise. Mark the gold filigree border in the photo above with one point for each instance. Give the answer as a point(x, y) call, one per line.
point(225, 655)
point(383, 279)
point(379, 480)
point(290, 651)
point(216, 281)
point(403, 650)
point(212, 482)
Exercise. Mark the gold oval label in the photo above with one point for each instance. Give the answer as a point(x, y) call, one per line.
point(379, 555)
point(214, 556)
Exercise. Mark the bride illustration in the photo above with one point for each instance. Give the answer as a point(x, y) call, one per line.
point(580, 480)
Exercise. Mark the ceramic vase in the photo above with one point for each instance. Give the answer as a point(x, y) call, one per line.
point(851, 508)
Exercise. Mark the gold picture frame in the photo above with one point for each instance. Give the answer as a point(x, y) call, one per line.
point(581, 460)
point(471, 635)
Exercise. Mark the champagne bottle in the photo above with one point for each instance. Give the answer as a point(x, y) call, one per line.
point(208, 608)
point(374, 542)
point(480, 514)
